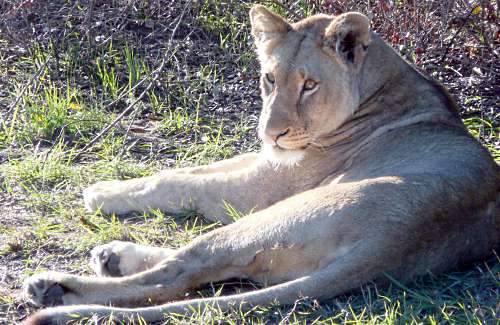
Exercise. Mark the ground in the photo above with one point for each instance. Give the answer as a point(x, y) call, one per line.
point(93, 90)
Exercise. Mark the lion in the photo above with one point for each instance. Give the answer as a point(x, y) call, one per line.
point(366, 171)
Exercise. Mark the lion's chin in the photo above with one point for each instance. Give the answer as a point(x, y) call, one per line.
point(282, 157)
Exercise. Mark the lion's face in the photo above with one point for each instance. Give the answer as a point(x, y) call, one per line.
point(308, 80)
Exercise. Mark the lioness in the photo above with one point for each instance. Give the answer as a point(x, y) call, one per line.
point(366, 170)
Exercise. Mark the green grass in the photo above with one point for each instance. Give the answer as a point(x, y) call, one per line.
point(485, 127)
point(203, 109)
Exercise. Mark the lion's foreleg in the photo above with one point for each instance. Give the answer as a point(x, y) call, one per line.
point(251, 186)
point(172, 190)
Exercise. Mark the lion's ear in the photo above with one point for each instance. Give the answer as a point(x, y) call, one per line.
point(349, 36)
point(267, 27)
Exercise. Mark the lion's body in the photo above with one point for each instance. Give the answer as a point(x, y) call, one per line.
point(371, 173)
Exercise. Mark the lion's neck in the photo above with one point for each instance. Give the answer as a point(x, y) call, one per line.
point(392, 95)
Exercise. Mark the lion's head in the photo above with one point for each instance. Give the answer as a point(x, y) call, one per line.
point(309, 77)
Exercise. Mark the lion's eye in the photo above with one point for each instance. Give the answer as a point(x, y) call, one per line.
point(270, 78)
point(309, 84)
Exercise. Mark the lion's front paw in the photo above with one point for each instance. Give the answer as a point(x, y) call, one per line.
point(105, 196)
point(44, 289)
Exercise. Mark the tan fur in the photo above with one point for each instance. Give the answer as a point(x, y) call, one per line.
point(367, 172)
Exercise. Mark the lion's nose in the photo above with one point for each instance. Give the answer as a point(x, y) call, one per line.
point(275, 134)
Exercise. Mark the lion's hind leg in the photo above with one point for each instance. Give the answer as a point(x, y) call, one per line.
point(343, 274)
point(119, 258)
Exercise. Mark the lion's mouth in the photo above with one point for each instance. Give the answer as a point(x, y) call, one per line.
point(278, 147)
